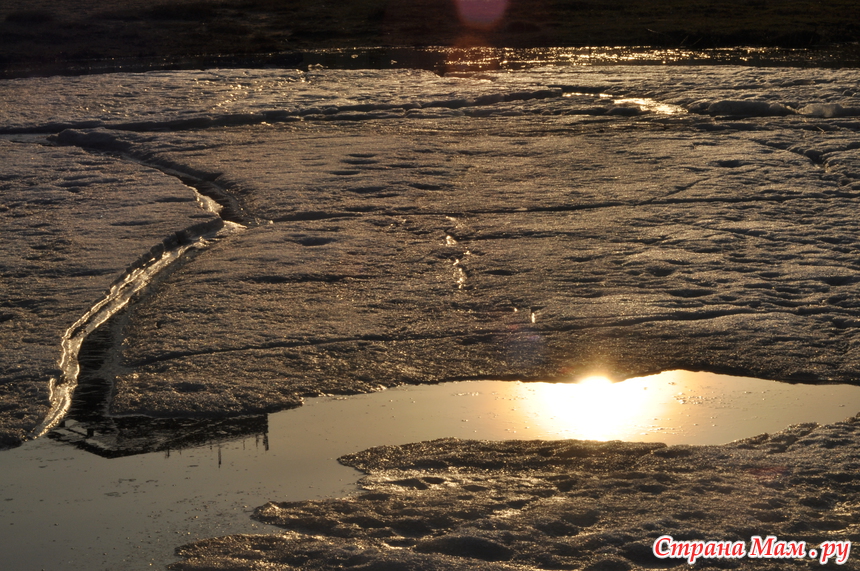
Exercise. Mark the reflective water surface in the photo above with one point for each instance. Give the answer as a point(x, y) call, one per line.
point(675, 407)
point(65, 507)
point(446, 60)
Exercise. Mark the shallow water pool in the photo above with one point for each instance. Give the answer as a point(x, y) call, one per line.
point(64, 507)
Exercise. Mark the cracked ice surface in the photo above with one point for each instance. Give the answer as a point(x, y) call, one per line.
point(407, 227)
point(410, 228)
point(72, 223)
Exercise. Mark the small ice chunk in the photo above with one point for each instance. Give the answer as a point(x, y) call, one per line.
point(823, 110)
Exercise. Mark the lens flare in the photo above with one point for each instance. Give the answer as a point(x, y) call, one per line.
point(481, 13)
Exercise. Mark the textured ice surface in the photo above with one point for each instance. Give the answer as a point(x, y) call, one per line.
point(533, 246)
point(170, 100)
point(72, 223)
point(406, 227)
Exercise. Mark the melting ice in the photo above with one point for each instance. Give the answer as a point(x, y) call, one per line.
point(636, 218)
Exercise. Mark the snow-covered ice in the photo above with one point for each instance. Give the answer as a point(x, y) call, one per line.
point(402, 227)
point(537, 224)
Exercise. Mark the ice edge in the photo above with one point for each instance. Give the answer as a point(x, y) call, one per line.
point(140, 275)
point(137, 276)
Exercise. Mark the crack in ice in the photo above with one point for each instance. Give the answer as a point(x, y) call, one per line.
point(118, 297)
point(136, 278)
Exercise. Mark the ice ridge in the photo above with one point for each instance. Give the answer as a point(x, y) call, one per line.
point(139, 276)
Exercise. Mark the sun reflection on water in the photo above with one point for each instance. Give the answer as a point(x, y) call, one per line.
point(594, 408)
point(675, 407)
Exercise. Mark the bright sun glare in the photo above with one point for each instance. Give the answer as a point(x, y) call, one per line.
point(594, 384)
point(595, 408)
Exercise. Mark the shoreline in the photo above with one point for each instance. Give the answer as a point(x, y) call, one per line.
point(44, 35)
point(444, 59)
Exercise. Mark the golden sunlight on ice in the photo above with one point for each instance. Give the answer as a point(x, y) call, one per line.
point(652, 106)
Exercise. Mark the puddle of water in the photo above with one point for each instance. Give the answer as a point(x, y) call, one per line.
point(64, 507)
point(675, 407)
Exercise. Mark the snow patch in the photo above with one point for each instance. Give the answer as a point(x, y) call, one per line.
point(828, 110)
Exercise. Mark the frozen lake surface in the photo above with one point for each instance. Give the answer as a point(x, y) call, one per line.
point(69, 507)
point(377, 225)
point(270, 235)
